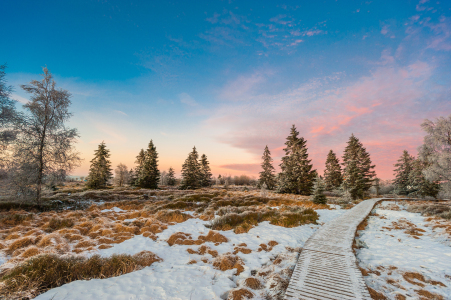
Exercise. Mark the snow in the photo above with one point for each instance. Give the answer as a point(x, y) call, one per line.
point(174, 278)
point(129, 220)
point(427, 255)
point(115, 209)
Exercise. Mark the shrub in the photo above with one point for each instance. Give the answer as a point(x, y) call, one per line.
point(44, 272)
point(56, 224)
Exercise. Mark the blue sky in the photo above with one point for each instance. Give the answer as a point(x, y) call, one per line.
point(231, 77)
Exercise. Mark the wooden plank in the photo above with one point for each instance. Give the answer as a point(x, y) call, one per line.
point(327, 268)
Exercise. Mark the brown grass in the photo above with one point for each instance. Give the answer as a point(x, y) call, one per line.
point(253, 283)
point(214, 237)
point(181, 238)
point(242, 250)
point(44, 272)
point(376, 295)
point(240, 294)
point(424, 295)
point(414, 278)
point(18, 244)
point(31, 251)
point(227, 262)
point(85, 244)
point(172, 216)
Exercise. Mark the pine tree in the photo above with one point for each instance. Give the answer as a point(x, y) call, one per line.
point(148, 174)
point(332, 174)
point(100, 170)
point(171, 177)
point(318, 196)
point(267, 176)
point(205, 172)
point(191, 171)
point(402, 173)
point(419, 185)
point(358, 171)
point(297, 175)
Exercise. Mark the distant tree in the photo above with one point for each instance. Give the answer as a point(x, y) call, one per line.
point(163, 178)
point(377, 186)
point(8, 115)
point(148, 174)
point(171, 177)
point(122, 175)
point(436, 152)
point(100, 170)
point(267, 176)
point(205, 172)
point(132, 177)
point(418, 184)
point(318, 196)
point(44, 147)
point(358, 172)
point(403, 169)
point(191, 171)
point(332, 174)
point(220, 180)
point(297, 175)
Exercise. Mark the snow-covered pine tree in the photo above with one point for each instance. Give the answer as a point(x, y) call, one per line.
point(100, 170)
point(149, 175)
point(171, 177)
point(436, 151)
point(205, 172)
point(318, 196)
point(267, 176)
point(140, 165)
point(332, 174)
point(418, 184)
point(358, 171)
point(402, 173)
point(297, 175)
point(191, 171)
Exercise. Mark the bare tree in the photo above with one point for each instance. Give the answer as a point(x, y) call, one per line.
point(8, 118)
point(44, 149)
point(122, 176)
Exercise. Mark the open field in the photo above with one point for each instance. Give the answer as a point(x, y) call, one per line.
point(204, 244)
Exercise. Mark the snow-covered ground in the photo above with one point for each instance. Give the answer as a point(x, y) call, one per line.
point(174, 278)
point(393, 250)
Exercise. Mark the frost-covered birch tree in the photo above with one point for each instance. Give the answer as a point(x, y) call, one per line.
point(436, 151)
point(44, 147)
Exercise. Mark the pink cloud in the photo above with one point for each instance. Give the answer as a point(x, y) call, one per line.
point(383, 109)
point(248, 168)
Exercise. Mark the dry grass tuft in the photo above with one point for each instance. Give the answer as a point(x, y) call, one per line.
point(31, 251)
point(253, 283)
point(18, 244)
point(172, 216)
point(181, 238)
point(425, 295)
point(57, 223)
point(227, 262)
point(214, 237)
point(240, 294)
point(44, 272)
point(414, 278)
point(376, 295)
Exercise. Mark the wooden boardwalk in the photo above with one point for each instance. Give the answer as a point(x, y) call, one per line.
point(327, 268)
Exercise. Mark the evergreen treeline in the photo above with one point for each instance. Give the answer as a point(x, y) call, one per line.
point(195, 173)
point(410, 179)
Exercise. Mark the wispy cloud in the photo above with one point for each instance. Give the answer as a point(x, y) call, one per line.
point(188, 100)
point(121, 112)
point(19, 99)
